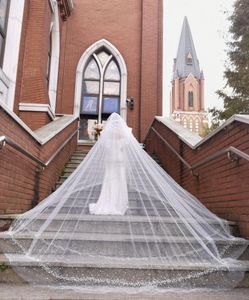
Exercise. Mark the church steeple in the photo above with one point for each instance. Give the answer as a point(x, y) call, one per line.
point(187, 94)
point(186, 61)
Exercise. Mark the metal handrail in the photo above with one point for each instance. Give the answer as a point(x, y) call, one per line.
point(233, 154)
point(5, 140)
point(172, 149)
point(61, 147)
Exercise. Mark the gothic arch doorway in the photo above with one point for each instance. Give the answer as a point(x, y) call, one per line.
point(101, 87)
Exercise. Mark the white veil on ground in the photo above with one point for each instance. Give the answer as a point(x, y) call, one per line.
point(120, 211)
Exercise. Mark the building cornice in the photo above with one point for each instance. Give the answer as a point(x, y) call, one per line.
point(193, 140)
point(37, 107)
point(45, 133)
point(194, 112)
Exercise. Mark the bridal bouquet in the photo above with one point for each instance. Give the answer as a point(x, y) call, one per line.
point(97, 130)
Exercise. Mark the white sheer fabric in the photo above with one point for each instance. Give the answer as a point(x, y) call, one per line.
point(113, 199)
point(119, 219)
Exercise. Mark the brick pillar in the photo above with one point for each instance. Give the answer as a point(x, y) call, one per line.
point(151, 64)
point(31, 80)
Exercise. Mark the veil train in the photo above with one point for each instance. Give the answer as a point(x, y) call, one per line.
point(120, 219)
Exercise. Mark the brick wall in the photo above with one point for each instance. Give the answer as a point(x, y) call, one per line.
point(20, 184)
point(222, 185)
point(134, 27)
point(151, 64)
point(31, 85)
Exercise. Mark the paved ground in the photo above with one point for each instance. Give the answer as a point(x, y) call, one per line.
point(8, 291)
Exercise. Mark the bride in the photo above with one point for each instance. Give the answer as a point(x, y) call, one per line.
point(113, 199)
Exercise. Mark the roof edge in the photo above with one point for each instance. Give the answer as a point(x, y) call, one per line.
point(190, 138)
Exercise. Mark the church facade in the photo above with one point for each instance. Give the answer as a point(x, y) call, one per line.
point(187, 95)
point(65, 66)
point(87, 59)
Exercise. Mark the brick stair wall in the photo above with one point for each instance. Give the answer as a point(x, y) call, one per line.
point(222, 185)
point(20, 184)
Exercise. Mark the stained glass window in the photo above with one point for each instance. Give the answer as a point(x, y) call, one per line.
point(103, 56)
point(111, 88)
point(112, 71)
point(98, 103)
point(92, 70)
point(90, 104)
point(110, 105)
point(91, 87)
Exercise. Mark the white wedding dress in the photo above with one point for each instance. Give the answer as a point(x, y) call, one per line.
point(113, 199)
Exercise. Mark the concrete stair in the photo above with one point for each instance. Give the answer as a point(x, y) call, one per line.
point(119, 245)
point(77, 157)
point(108, 240)
point(115, 245)
point(105, 270)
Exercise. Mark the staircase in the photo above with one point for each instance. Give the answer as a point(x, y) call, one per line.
point(76, 158)
point(110, 236)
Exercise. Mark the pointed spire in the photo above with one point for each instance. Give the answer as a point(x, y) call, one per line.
point(186, 61)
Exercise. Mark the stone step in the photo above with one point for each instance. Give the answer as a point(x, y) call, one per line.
point(119, 225)
point(78, 156)
point(83, 199)
point(133, 204)
point(134, 211)
point(70, 168)
point(114, 224)
point(111, 272)
point(81, 151)
point(72, 165)
point(120, 245)
point(75, 160)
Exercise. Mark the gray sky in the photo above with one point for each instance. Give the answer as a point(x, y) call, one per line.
point(209, 28)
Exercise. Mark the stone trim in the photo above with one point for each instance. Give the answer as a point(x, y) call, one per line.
point(79, 75)
point(193, 140)
point(41, 138)
point(37, 107)
point(12, 46)
point(55, 57)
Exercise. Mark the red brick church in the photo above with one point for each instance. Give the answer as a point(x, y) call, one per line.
point(66, 64)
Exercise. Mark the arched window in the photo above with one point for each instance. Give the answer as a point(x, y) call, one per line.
point(101, 86)
point(100, 92)
point(190, 99)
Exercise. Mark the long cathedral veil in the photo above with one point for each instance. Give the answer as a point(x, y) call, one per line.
point(121, 211)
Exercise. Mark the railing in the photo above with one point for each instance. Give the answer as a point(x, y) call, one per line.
point(7, 141)
point(233, 154)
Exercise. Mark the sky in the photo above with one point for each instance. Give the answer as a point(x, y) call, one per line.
point(209, 26)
